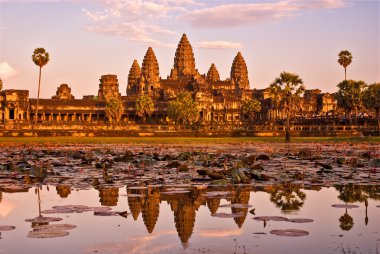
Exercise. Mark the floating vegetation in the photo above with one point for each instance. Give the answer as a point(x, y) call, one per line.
point(300, 220)
point(6, 228)
point(41, 219)
point(237, 205)
point(47, 233)
point(289, 232)
point(270, 218)
point(54, 227)
point(228, 215)
point(346, 206)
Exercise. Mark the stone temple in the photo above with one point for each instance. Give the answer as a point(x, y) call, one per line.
point(219, 101)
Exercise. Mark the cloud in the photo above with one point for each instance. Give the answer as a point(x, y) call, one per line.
point(150, 244)
point(6, 71)
point(137, 20)
point(216, 233)
point(219, 45)
point(230, 15)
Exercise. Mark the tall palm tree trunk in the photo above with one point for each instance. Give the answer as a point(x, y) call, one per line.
point(38, 97)
point(350, 117)
point(345, 73)
point(287, 129)
point(378, 120)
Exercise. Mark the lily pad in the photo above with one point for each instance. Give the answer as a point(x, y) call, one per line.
point(270, 218)
point(300, 220)
point(228, 215)
point(345, 206)
point(106, 213)
point(47, 233)
point(213, 194)
point(42, 219)
point(54, 227)
point(6, 228)
point(289, 232)
point(236, 205)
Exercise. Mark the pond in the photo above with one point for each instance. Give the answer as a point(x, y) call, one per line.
point(193, 219)
point(222, 198)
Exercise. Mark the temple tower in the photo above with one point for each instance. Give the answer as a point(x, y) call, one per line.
point(213, 74)
point(239, 72)
point(184, 61)
point(134, 77)
point(63, 93)
point(150, 72)
point(108, 87)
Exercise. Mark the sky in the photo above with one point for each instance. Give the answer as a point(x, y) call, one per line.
point(90, 38)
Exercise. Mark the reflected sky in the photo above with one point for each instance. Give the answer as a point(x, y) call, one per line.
point(162, 221)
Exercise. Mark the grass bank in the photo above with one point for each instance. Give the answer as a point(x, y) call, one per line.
point(177, 140)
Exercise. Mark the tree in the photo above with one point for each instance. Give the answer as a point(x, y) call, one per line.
point(250, 107)
point(288, 88)
point(144, 107)
point(289, 197)
point(114, 109)
point(349, 96)
point(40, 57)
point(371, 99)
point(345, 59)
point(183, 108)
point(1, 84)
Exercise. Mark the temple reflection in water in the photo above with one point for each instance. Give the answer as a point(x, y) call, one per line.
point(185, 201)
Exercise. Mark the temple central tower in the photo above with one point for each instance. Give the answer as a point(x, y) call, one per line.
point(184, 61)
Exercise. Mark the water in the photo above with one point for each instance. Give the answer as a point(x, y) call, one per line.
point(191, 221)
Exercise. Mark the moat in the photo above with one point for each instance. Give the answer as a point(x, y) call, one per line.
point(178, 198)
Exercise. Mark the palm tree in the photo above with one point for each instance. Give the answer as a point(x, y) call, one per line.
point(345, 58)
point(371, 99)
point(40, 57)
point(289, 88)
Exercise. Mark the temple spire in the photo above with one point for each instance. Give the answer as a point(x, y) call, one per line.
point(213, 74)
point(150, 71)
point(134, 78)
point(184, 61)
point(239, 72)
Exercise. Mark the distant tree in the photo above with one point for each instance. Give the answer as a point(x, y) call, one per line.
point(183, 109)
point(40, 57)
point(144, 107)
point(288, 88)
point(371, 99)
point(349, 96)
point(114, 109)
point(1, 84)
point(345, 59)
point(250, 107)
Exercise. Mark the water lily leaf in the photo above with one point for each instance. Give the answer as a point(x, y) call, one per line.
point(300, 220)
point(42, 219)
point(270, 218)
point(228, 215)
point(6, 228)
point(289, 232)
point(345, 206)
point(213, 194)
point(54, 227)
point(237, 205)
point(47, 234)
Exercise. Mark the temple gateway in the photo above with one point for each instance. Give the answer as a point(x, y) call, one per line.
point(219, 103)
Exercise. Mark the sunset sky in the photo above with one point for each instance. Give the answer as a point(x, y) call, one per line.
point(90, 38)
